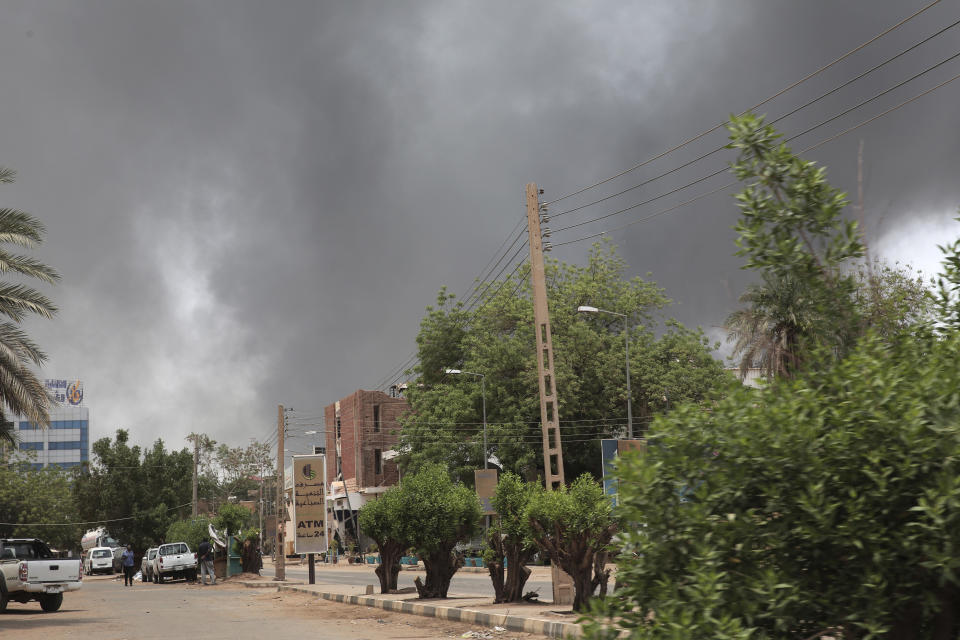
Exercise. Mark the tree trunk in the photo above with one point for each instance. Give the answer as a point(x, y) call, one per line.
point(389, 568)
point(249, 559)
point(517, 572)
point(440, 567)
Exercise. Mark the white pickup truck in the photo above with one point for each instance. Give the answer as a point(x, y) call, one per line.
point(174, 560)
point(29, 571)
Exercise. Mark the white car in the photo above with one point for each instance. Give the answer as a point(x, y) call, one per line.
point(99, 560)
point(146, 565)
point(174, 560)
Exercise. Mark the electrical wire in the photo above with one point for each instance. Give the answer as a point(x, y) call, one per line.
point(753, 108)
point(73, 524)
point(724, 169)
point(735, 183)
point(776, 120)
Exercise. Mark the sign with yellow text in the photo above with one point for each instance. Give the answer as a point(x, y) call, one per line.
point(310, 504)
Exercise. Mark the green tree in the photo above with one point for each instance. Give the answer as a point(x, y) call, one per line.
point(947, 296)
point(193, 531)
point(140, 492)
point(791, 230)
point(21, 391)
point(826, 503)
point(232, 518)
point(507, 540)
point(437, 514)
point(574, 526)
point(497, 339)
point(384, 520)
point(40, 500)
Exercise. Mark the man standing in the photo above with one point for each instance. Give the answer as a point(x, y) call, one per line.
point(205, 556)
point(127, 561)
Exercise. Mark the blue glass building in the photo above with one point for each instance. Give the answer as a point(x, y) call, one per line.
point(66, 443)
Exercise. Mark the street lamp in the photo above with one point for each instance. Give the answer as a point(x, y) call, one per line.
point(626, 344)
point(483, 395)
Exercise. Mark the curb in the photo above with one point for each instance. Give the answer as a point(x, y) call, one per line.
point(511, 623)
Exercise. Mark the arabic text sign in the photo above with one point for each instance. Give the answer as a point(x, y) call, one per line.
point(310, 504)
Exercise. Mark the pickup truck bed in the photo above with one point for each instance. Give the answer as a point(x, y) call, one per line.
point(28, 571)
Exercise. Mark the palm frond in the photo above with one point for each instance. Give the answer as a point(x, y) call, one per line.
point(27, 267)
point(20, 228)
point(17, 300)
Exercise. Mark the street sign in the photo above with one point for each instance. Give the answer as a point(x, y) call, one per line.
point(310, 503)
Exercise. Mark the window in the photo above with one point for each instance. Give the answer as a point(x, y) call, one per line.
point(31, 446)
point(64, 445)
point(377, 462)
point(338, 426)
point(376, 418)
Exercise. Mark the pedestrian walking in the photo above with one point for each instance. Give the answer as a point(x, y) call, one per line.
point(205, 557)
point(127, 561)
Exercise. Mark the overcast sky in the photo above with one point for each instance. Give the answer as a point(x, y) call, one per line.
point(251, 203)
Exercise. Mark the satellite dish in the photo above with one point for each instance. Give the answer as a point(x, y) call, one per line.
point(216, 538)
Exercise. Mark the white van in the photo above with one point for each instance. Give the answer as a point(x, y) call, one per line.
point(99, 559)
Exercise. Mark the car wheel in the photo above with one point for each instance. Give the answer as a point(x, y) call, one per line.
point(4, 598)
point(50, 602)
point(159, 578)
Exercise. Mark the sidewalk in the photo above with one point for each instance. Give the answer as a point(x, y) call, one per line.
point(538, 617)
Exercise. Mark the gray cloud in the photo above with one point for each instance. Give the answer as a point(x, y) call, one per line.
point(251, 204)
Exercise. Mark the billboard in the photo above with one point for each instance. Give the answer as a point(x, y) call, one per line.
point(485, 480)
point(310, 504)
point(68, 392)
point(610, 450)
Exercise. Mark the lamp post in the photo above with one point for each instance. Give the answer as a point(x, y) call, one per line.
point(626, 344)
point(483, 395)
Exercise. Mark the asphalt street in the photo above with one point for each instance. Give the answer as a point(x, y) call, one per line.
point(106, 610)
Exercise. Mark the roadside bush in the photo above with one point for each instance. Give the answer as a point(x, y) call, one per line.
point(828, 505)
point(383, 520)
point(191, 531)
point(507, 538)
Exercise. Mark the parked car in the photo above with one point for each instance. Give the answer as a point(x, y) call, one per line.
point(29, 571)
point(146, 565)
point(118, 559)
point(174, 560)
point(99, 560)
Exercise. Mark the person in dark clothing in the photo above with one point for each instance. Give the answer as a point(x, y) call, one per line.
point(205, 558)
point(127, 561)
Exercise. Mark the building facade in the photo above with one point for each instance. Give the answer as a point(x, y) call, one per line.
point(362, 431)
point(66, 443)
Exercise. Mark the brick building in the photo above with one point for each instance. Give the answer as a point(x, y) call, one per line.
point(360, 429)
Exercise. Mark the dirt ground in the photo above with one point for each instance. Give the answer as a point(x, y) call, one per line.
point(104, 608)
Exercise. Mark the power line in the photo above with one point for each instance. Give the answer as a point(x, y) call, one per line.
point(735, 183)
point(753, 108)
point(776, 120)
point(73, 524)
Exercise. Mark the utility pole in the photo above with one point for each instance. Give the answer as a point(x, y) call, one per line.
point(280, 569)
point(549, 413)
point(196, 463)
point(195, 438)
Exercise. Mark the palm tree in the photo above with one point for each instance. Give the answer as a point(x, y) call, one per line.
point(21, 391)
point(768, 333)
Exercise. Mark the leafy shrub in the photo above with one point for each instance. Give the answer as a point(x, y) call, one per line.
point(829, 504)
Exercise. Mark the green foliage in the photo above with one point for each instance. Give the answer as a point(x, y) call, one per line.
point(830, 502)
point(39, 496)
point(510, 501)
point(947, 297)
point(232, 518)
point(192, 531)
point(384, 519)
point(21, 391)
point(574, 526)
point(668, 365)
point(791, 230)
point(152, 486)
point(437, 513)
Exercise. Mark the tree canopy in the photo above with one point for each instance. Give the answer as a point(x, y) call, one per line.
point(669, 365)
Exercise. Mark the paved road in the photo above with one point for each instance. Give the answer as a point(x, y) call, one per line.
point(105, 609)
point(462, 583)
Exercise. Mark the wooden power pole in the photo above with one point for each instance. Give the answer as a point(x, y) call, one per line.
point(549, 413)
point(280, 569)
point(196, 463)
